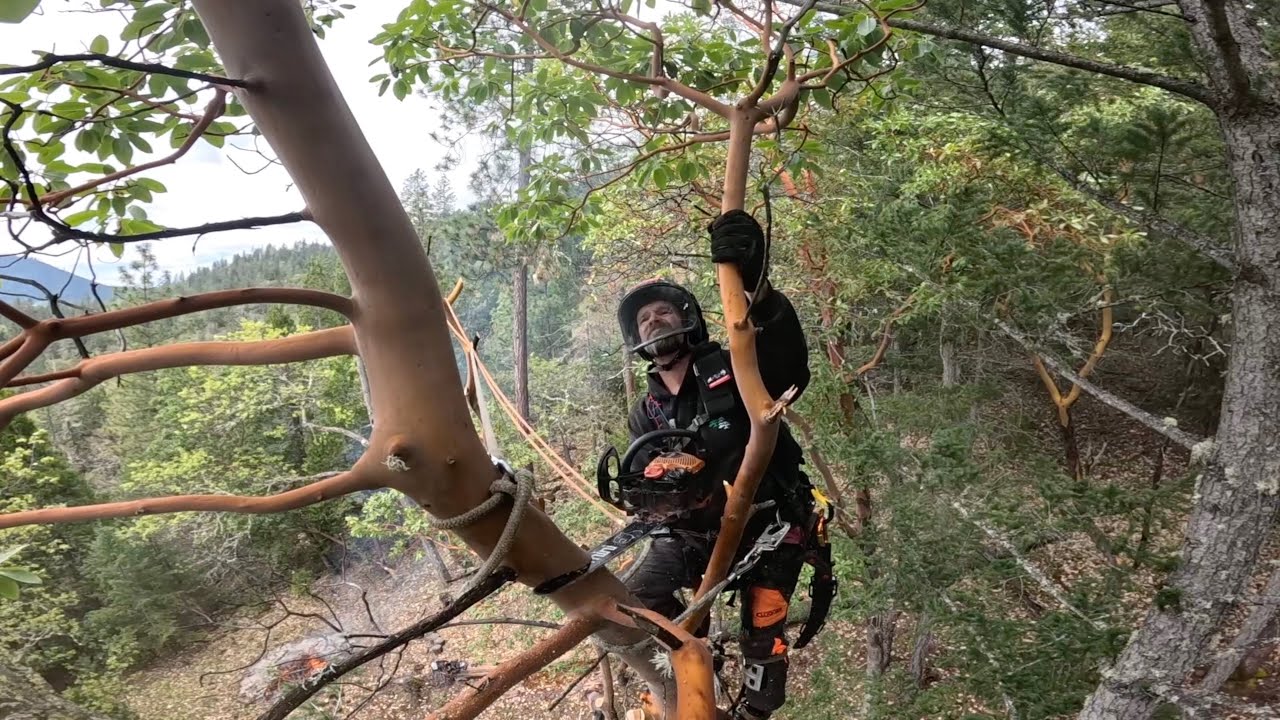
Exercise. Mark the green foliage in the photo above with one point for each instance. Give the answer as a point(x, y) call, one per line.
point(15, 11)
point(12, 577)
point(469, 57)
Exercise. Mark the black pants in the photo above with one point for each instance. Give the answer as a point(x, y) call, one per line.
point(678, 560)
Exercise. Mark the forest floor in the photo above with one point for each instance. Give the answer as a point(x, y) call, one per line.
point(207, 680)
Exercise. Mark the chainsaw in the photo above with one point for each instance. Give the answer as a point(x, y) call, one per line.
point(670, 487)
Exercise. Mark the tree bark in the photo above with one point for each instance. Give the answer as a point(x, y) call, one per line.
point(950, 368)
point(920, 651)
point(1237, 492)
point(1252, 641)
point(521, 291)
point(25, 695)
point(423, 442)
point(628, 379)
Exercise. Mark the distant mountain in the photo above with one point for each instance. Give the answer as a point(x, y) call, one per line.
point(71, 288)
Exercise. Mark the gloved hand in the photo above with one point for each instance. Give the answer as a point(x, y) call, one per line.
point(736, 238)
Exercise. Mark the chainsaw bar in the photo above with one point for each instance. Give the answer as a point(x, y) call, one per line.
point(612, 547)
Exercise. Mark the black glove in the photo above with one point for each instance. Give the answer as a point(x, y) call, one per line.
point(736, 238)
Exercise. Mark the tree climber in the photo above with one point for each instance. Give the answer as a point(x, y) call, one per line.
point(691, 387)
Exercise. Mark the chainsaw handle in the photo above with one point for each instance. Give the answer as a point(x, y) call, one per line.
point(605, 475)
point(651, 438)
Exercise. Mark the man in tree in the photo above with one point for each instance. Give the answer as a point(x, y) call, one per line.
point(691, 387)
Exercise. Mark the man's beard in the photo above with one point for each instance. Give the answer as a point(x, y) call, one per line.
point(668, 345)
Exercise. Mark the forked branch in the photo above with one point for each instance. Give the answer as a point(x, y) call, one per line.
point(89, 373)
point(27, 347)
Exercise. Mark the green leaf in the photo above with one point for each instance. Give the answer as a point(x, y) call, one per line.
point(867, 26)
point(660, 177)
point(15, 11)
point(121, 148)
point(400, 89)
point(21, 576)
point(100, 45)
point(195, 32)
point(6, 554)
point(15, 96)
point(79, 218)
point(8, 588)
point(117, 249)
point(152, 185)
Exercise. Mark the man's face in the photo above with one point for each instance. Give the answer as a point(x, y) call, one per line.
point(658, 318)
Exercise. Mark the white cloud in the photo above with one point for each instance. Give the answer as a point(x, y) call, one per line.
point(205, 186)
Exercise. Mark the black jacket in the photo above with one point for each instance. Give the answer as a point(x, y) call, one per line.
point(783, 356)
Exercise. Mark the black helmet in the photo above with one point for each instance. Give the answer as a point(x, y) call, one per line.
point(658, 289)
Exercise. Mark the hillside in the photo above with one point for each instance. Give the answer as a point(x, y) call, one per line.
point(72, 288)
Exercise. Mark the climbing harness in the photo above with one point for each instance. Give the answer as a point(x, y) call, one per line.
point(823, 585)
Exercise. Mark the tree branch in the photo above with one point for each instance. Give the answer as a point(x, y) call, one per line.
point(691, 94)
point(1166, 429)
point(212, 111)
point(16, 316)
point(1253, 627)
point(328, 487)
point(468, 705)
point(55, 307)
point(350, 435)
point(299, 694)
point(690, 659)
point(62, 232)
point(36, 339)
point(1193, 90)
point(90, 373)
point(185, 305)
point(775, 56)
point(50, 60)
point(1036, 573)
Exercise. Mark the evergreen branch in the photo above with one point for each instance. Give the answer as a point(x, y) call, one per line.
point(49, 60)
point(1186, 88)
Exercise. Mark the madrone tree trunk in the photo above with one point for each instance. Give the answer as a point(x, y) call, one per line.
point(423, 441)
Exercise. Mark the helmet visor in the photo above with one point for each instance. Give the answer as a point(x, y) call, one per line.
point(656, 319)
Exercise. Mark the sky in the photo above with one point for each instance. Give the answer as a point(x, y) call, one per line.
point(204, 185)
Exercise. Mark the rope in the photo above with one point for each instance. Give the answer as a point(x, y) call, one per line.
point(562, 467)
point(519, 486)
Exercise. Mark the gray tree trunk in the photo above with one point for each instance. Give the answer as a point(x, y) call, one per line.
point(950, 367)
point(521, 291)
point(1238, 491)
point(24, 695)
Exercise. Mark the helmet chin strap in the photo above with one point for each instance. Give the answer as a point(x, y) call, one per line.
point(680, 354)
